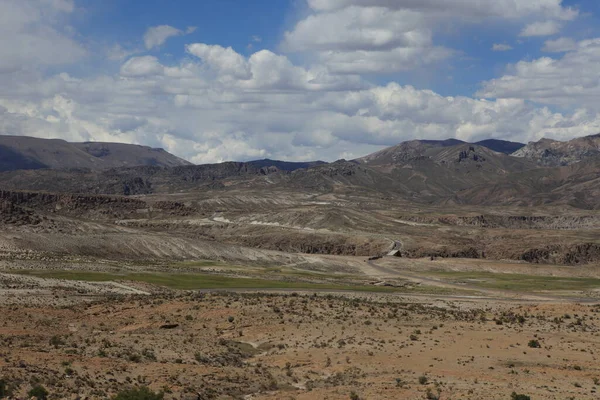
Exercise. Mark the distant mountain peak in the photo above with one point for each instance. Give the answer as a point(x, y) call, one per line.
point(24, 152)
point(501, 146)
point(551, 152)
point(423, 149)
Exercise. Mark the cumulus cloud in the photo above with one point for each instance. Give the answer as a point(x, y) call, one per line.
point(358, 28)
point(156, 36)
point(545, 28)
point(560, 45)
point(571, 79)
point(365, 39)
point(387, 36)
point(399, 59)
point(274, 109)
point(224, 61)
point(475, 8)
point(215, 104)
point(32, 35)
point(142, 66)
point(501, 47)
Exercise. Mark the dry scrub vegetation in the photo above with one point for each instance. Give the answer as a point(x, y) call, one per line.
point(190, 345)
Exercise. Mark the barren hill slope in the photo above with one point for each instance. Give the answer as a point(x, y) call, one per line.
point(429, 172)
point(115, 155)
point(501, 146)
point(23, 152)
point(414, 149)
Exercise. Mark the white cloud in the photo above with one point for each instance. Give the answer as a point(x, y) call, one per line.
point(501, 47)
point(366, 40)
point(119, 53)
point(572, 80)
point(399, 59)
point(274, 109)
point(225, 61)
point(546, 28)
point(358, 28)
point(216, 104)
point(156, 36)
point(475, 8)
point(32, 35)
point(387, 36)
point(142, 66)
point(560, 45)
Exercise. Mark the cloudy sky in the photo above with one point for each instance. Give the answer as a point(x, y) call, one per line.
point(218, 80)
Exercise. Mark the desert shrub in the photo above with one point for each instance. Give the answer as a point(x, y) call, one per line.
point(141, 393)
point(38, 392)
point(5, 389)
point(535, 344)
point(515, 396)
point(354, 396)
point(57, 341)
point(423, 380)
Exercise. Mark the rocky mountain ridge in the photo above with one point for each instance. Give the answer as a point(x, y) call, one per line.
point(28, 153)
point(550, 152)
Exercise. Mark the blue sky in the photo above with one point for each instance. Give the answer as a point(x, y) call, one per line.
point(298, 79)
point(239, 23)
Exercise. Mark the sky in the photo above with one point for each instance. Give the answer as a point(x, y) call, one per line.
point(221, 80)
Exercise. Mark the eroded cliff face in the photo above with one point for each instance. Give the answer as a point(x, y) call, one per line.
point(583, 253)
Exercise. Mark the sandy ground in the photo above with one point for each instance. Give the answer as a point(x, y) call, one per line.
point(295, 346)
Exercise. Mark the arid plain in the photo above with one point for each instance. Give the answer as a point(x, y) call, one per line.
point(370, 279)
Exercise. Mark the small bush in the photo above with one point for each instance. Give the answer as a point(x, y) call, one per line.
point(515, 396)
point(5, 390)
point(534, 344)
point(39, 392)
point(423, 380)
point(141, 393)
point(354, 396)
point(57, 341)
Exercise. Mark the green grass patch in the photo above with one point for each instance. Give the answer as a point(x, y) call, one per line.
point(518, 282)
point(202, 281)
point(203, 264)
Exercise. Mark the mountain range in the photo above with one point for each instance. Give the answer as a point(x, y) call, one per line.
point(432, 172)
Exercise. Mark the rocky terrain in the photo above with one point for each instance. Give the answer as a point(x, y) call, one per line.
point(425, 172)
point(555, 153)
point(432, 269)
